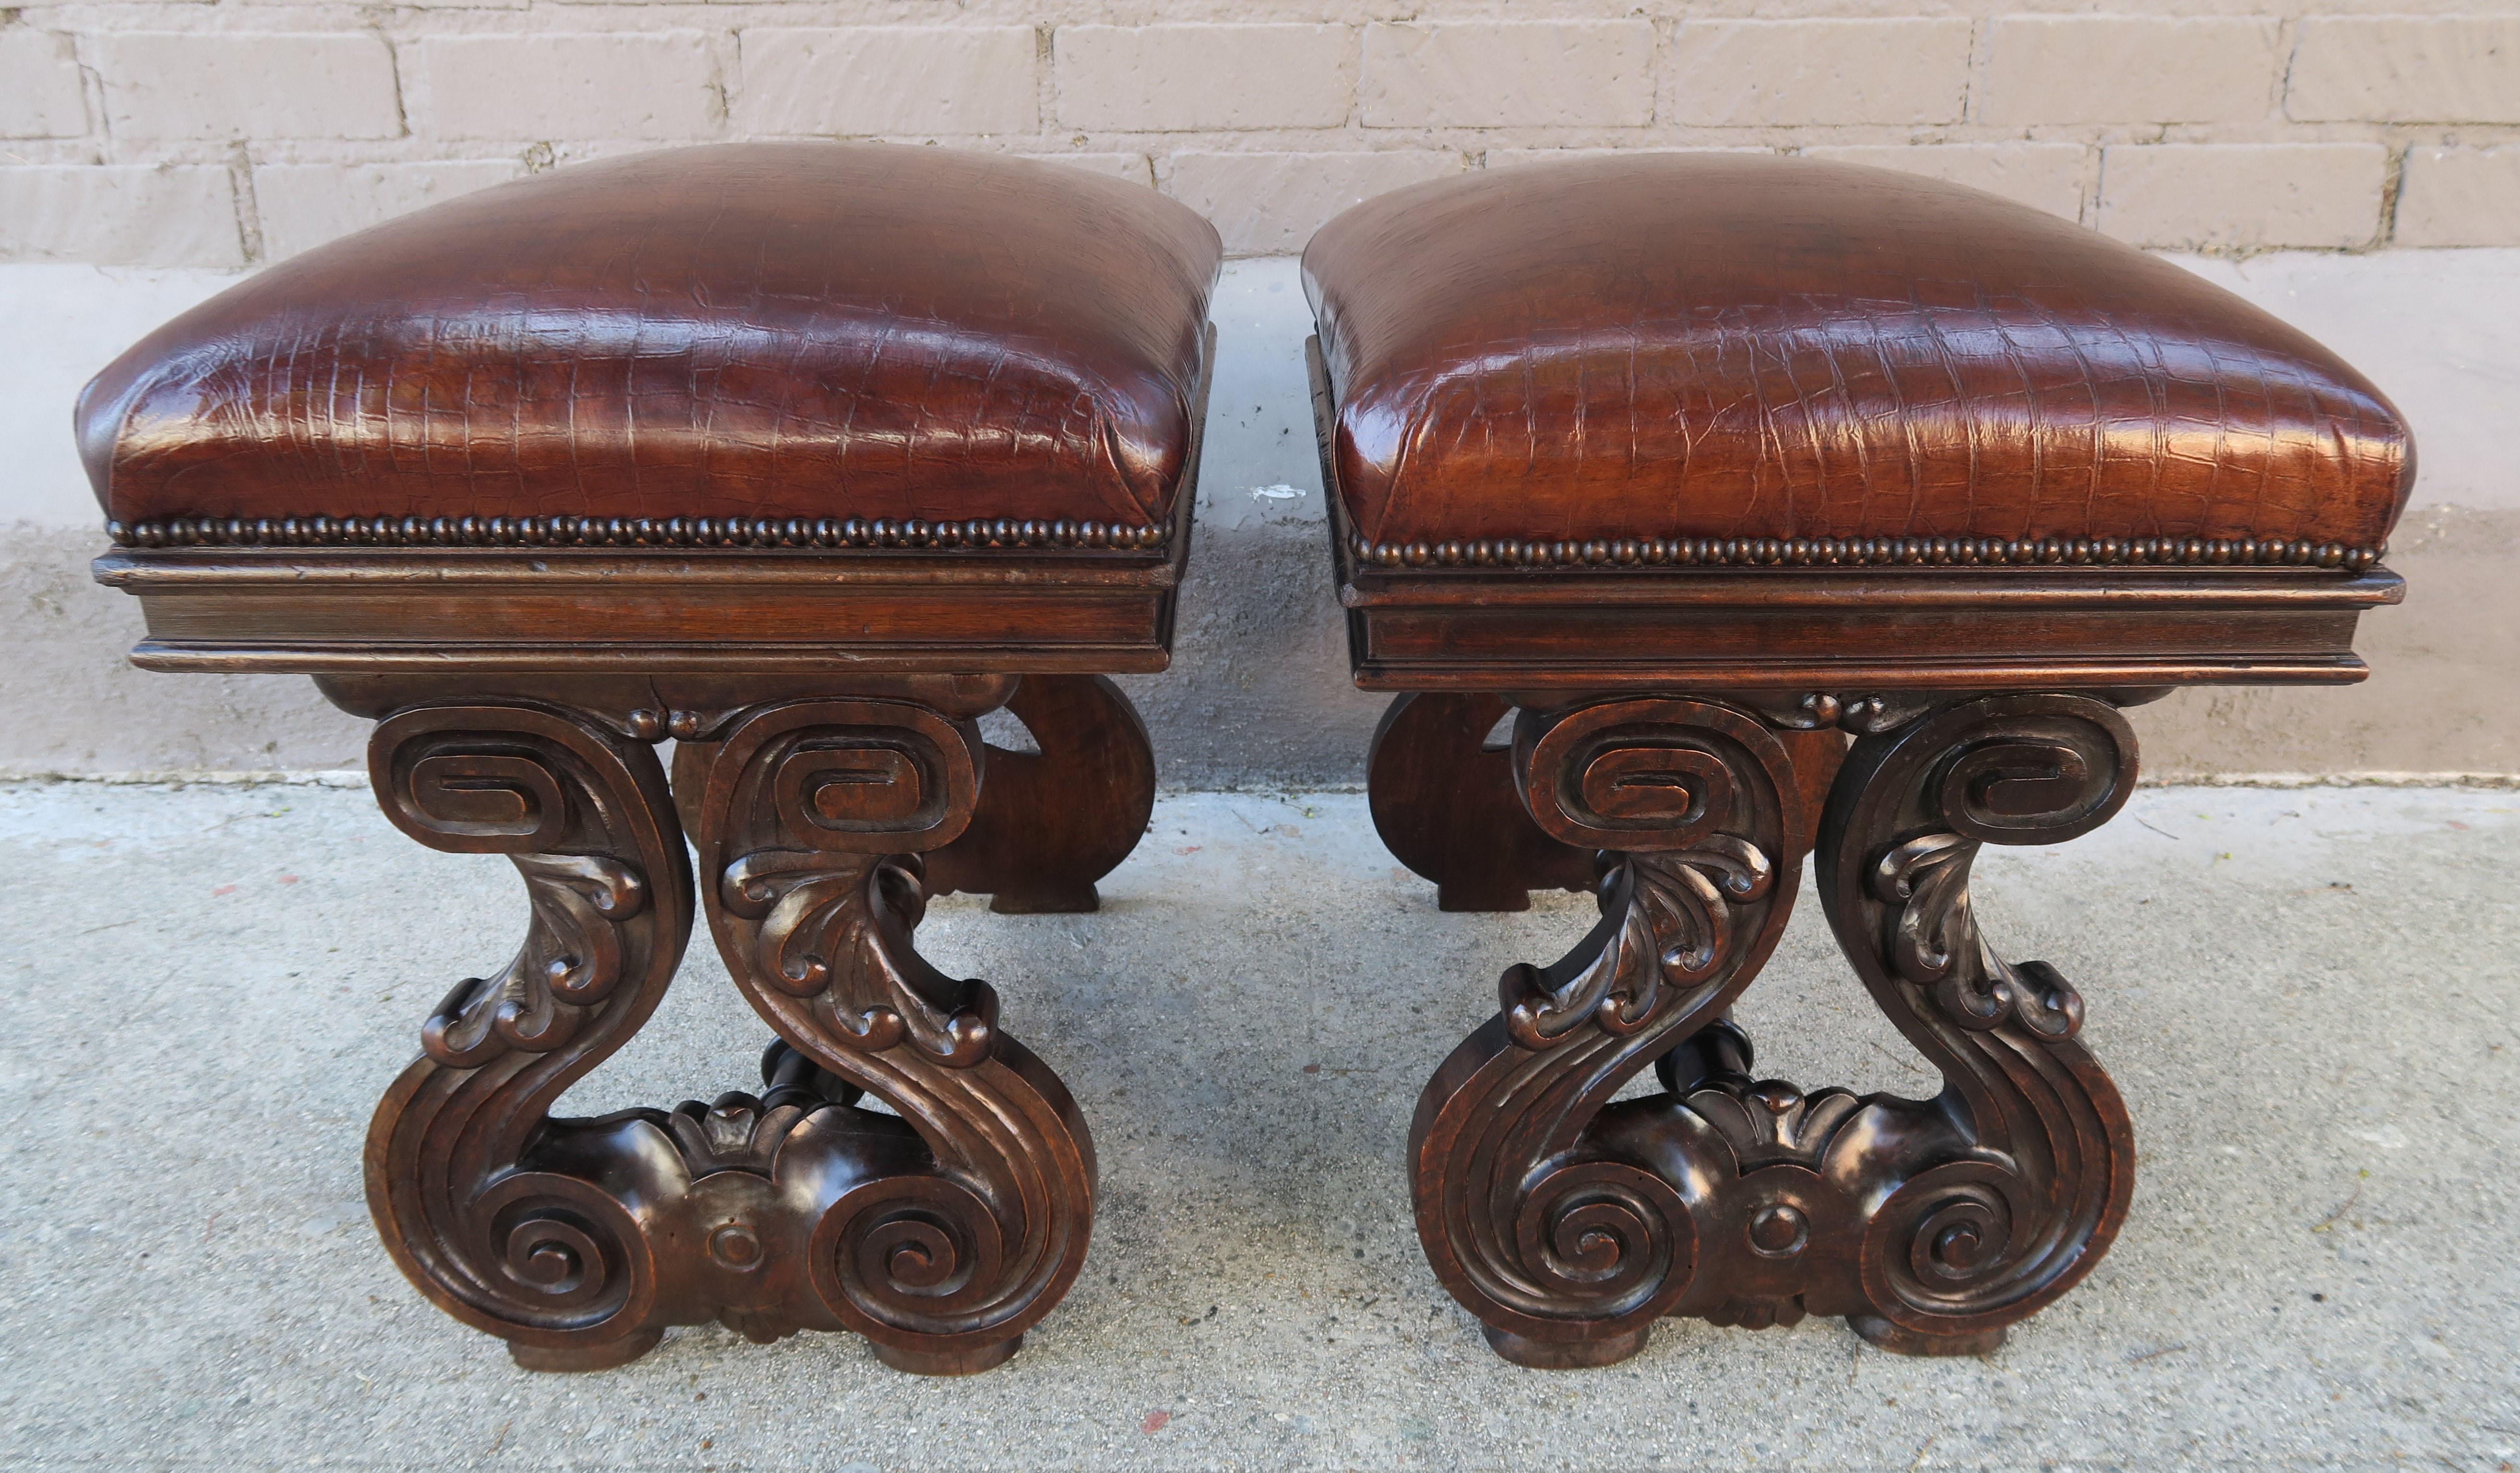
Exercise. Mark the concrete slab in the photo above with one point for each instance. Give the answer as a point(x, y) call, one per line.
point(2309, 997)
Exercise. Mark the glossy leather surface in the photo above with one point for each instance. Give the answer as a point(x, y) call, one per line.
point(764, 329)
point(1728, 346)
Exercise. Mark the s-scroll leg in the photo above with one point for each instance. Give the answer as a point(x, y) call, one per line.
point(942, 1231)
point(1567, 1223)
point(1541, 1206)
point(2005, 1191)
point(483, 1200)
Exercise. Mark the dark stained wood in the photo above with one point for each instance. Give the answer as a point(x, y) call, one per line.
point(939, 1231)
point(386, 610)
point(524, 641)
point(824, 704)
point(1444, 806)
point(1568, 1224)
point(1052, 823)
point(1691, 725)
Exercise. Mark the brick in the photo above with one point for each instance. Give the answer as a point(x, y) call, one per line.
point(234, 84)
point(1132, 168)
point(1131, 78)
point(305, 205)
point(2461, 197)
point(1271, 204)
point(888, 80)
point(1508, 73)
point(2406, 68)
point(2045, 177)
point(1516, 158)
point(2130, 69)
point(2243, 196)
point(654, 86)
point(1755, 74)
point(120, 216)
point(40, 95)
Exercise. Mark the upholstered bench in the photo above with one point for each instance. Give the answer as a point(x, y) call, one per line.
point(1697, 466)
point(805, 457)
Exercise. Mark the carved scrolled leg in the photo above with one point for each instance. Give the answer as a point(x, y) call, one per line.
point(940, 1232)
point(1567, 1224)
point(2003, 1192)
point(485, 1204)
point(1566, 1233)
point(1051, 823)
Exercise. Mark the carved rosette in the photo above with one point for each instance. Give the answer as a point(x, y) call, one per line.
point(2011, 1184)
point(966, 1222)
point(467, 1177)
point(1544, 1229)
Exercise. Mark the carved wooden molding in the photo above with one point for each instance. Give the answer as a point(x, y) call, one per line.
point(940, 1231)
point(1567, 1224)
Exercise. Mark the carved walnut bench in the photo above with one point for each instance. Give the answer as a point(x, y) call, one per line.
point(1695, 465)
point(805, 457)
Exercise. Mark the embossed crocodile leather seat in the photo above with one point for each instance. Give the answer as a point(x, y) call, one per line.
point(1687, 358)
point(682, 348)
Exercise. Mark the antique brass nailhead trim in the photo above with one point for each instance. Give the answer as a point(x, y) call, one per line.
point(1875, 552)
point(629, 532)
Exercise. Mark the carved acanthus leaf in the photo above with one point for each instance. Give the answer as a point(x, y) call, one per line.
point(571, 960)
point(1937, 945)
point(1677, 927)
point(835, 927)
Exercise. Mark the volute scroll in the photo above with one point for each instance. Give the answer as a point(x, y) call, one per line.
point(969, 1216)
point(1568, 1224)
point(474, 1189)
point(1550, 1228)
point(940, 1230)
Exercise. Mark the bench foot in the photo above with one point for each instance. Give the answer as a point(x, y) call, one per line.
point(1564, 1355)
point(961, 1362)
point(1905, 1342)
point(1567, 1223)
point(584, 1357)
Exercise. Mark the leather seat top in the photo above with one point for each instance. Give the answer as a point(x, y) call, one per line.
point(1728, 346)
point(756, 331)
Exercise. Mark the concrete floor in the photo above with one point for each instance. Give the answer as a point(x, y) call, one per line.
point(2309, 997)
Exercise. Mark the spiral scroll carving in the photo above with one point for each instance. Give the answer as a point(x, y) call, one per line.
point(468, 1177)
point(1546, 1228)
point(960, 1227)
point(1567, 1223)
point(939, 1231)
point(2012, 1183)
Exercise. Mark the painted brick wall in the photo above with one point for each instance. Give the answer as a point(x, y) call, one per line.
point(238, 131)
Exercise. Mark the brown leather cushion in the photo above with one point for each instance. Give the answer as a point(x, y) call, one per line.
point(758, 330)
point(1721, 346)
